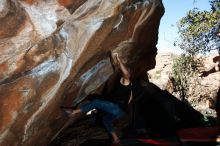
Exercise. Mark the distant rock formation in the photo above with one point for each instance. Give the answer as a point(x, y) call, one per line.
point(56, 51)
point(199, 94)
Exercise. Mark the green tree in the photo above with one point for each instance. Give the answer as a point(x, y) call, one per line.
point(185, 71)
point(198, 29)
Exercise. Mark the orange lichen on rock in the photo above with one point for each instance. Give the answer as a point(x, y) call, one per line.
point(13, 22)
point(66, 3)
point(29, 1)
point(14, 96)
point(3, 68)
point(10, 103)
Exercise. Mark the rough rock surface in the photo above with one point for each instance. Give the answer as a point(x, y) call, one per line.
point(199, 93)
point(163, 70)
point(53, 52)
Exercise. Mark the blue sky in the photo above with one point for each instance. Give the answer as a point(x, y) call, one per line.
point(174, 11)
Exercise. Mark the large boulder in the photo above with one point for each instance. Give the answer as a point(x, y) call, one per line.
point(51, 56)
